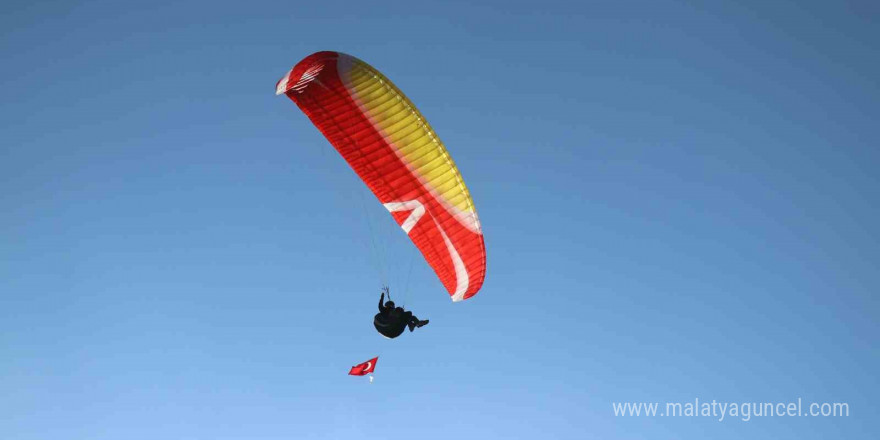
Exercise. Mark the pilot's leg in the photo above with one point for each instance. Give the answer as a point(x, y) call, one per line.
point(411, 321)
point(415, 322)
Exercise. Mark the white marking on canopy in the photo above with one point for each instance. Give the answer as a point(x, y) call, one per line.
point(462, 281)
point(417, 208)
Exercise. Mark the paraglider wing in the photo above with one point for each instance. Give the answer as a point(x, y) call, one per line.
point(394, 150)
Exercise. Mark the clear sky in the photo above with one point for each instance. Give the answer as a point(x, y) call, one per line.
point(679, 201)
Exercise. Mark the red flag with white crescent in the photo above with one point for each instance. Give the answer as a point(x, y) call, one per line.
point(364, 368)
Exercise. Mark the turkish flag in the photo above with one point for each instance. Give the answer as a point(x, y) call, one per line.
point(364, 368)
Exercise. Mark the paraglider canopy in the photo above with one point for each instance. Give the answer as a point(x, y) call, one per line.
point(396, 153)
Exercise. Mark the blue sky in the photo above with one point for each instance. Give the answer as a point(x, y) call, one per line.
point(679, 201)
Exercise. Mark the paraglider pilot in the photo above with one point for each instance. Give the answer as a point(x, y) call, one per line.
point(391, 320)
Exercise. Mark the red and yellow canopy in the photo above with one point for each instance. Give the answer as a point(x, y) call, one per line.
point(394, 150)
